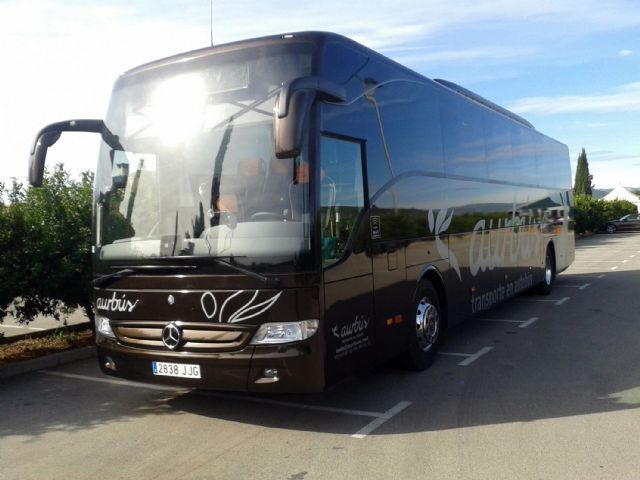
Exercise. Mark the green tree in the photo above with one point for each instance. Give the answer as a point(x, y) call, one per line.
point(45, 238)
point(591, 213)
point(582, 184)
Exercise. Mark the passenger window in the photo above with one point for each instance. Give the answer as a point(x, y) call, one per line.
point(341, 195)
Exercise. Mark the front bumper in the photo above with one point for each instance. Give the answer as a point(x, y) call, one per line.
point(299, 365)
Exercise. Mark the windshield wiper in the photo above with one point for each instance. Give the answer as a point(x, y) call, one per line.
point(127, 270)
point(267, 280)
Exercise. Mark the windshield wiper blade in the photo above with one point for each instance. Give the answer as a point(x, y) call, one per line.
point(267, 280)
point(127, 270)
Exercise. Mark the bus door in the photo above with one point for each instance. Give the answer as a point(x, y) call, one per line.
point(348, 283)
point(391, 292)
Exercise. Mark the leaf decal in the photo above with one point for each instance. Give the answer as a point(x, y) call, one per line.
point(445, 225)
point(221, 318)
point(243, 313)
point(208, 309)
point(440, 218)
point(430, 220)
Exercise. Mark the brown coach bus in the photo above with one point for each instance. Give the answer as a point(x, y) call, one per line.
point(274, 214)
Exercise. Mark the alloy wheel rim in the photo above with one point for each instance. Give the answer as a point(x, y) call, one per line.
point(548, 272)
point(427, 324)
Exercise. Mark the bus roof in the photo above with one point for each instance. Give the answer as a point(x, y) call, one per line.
point(321, 39)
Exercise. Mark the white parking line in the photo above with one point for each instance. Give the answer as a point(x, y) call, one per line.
point(475, 356)
point(625, 261)
point(632, 256)
point(596, 261)
point(557, 302)
point(386, 416)
point(283, 403)
point(614, 268)
point(379, 417)
point(113, 381)
point(579, 287)
point(528, 322)
point(469, 357)
point(523, 323)
point(602, 275)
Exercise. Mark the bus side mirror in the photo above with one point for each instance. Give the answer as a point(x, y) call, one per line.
point(294, 102)
point(39, 154)
point(288, 130)
point(50, 135)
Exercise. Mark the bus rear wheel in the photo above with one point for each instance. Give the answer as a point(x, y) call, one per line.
point(549, 273)
point(428, 328)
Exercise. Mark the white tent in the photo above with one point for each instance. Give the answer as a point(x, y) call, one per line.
point(621, 193)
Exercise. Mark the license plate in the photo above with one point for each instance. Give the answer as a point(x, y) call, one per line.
point(182, 370)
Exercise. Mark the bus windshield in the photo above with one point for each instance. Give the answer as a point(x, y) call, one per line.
point(196, 175)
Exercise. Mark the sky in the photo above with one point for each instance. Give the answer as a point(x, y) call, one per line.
point(570, 67)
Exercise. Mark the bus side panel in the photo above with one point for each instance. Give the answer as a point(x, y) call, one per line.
point(348, 321)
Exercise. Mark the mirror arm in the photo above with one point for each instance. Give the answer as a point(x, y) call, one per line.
point(324, 89)
point(50, 134)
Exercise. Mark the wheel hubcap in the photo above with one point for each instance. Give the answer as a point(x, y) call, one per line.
point(548, 272)
point(427, 323)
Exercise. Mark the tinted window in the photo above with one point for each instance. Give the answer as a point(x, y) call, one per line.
point(498, 148)
point(403, 211)
point(547, 166)
point(341, 194)
point(463, 137)
point(524, 155)
point(410, 121)
point(341, 63)
point(359, 120)
point(562, 179)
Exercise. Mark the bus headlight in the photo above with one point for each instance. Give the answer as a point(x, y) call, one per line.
point(103, 327)
point(284, 332)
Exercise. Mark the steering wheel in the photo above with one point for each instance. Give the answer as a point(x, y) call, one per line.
point(265, 216)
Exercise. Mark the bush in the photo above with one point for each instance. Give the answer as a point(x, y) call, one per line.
point(591, 213)
point(45, 238)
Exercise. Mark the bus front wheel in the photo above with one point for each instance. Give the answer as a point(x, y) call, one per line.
point(428, 328)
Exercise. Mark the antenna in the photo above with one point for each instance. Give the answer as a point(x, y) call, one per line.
point(211, 20)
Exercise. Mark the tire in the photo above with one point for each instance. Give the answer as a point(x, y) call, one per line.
point(429, 328)
point(546, 286)
point(610, 228)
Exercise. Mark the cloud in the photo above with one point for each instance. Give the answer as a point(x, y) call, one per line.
point(465, 55)
point(625, 98)
point(626, 53)
point(611, 157)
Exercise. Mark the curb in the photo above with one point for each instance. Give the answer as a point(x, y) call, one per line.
point(48, 361)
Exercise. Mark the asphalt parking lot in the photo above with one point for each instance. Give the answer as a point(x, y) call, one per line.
point(541, 387)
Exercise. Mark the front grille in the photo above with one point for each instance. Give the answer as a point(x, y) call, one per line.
point(196, 337)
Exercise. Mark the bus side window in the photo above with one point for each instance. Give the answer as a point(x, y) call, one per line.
point(341, 194)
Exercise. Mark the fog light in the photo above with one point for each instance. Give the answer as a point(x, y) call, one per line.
point(103, 327)
point(269, 375)
point(285, 332)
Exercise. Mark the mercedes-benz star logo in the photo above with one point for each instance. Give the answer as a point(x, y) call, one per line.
point(171, 336)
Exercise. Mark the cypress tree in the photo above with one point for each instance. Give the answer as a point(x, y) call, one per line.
point(582, 184)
